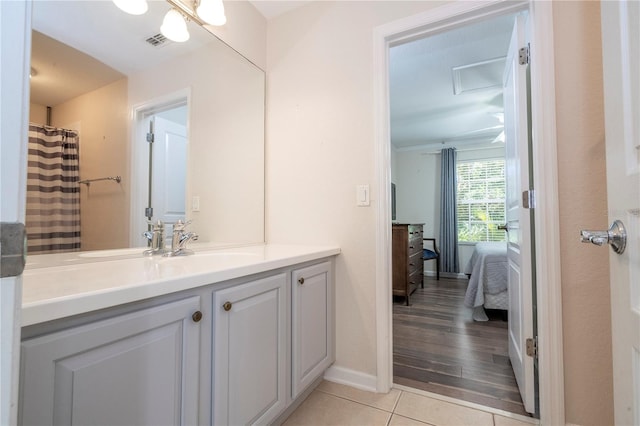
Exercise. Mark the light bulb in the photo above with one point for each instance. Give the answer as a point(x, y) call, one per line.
point(174, 26)
point(212, 12)
point(133, 7)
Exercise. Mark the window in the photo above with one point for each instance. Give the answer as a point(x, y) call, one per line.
point(481, 200)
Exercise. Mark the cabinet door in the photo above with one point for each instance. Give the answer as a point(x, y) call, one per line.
point(250, 352)
point(312, 324)
point(135, 369)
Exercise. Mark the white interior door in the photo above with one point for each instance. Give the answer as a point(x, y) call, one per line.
point(168, 197)
point(15, 56)
point(518, 218)
point(621, 52)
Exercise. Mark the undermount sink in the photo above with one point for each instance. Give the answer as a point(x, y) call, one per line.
point(202, 251)
point(111, 253)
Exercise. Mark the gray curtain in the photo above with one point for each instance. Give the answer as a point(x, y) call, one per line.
point(53, 192)
point(448, 215)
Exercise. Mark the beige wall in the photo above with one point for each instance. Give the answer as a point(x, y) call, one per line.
point(320, 134)
point(320, 146)
point(226, 133)
point(582, 192)
point(101, 118)
point(37, 114)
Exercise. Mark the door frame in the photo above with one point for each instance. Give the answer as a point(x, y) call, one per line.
point(139, 155)
point(15, 33)
point(547, 252)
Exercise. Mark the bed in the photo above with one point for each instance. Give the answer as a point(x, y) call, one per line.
point(487, 271)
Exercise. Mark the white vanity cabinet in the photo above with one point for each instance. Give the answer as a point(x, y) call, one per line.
point(249, 355)
point(261, 338)
point(136, 368)
point(312, 324)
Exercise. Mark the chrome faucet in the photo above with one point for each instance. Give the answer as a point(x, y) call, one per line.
point(180, 239)
point(155, 236)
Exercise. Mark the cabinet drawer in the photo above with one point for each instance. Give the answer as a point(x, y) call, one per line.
point(415, 248)
point(415, 232)
point(415, 263)
point(415, 278)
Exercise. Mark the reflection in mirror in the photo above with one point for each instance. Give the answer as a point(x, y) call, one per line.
point(104, 83)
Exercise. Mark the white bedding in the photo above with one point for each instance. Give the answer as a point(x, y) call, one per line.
point(488, 270)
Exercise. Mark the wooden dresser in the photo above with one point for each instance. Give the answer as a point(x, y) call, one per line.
point(407, 259)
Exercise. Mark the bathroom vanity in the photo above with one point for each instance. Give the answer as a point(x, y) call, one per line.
point(225, 336)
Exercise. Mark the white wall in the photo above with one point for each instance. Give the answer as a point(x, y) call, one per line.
point(320, 145)
point(417, 174)
point(320, 135)
point(226, 134)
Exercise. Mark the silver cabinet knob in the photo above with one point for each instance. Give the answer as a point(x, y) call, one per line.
point(616, 236)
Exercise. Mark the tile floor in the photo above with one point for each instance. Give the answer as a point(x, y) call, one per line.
point(334, 404)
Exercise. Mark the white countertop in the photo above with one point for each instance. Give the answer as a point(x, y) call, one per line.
point(60, 285)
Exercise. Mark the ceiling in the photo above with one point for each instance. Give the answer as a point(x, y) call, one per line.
point(273, 8)
point(106, 44)
point(102, 34)
point(425, 111)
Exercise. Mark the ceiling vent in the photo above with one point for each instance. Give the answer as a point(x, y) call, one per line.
point(478, 76)
point(157, 40)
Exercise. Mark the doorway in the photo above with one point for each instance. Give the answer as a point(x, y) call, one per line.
point(545, 180)
point(161, 150)
point(447, 93)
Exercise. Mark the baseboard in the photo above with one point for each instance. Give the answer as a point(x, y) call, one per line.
point(445, 274)
point(353, 378)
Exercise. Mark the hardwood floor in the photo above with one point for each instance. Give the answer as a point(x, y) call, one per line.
point(437, 347)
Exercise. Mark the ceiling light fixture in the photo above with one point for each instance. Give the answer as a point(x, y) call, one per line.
point(132, 7)
point(211, 12)
point(174, 26)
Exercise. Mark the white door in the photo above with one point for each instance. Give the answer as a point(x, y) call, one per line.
point(250, 356)
point(311, 334)
point(15, 56)
point(621, 66)
point(168, 185)
point(518, 218)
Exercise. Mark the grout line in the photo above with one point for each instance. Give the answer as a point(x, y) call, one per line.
point(389, 419)
point(473, 405)
point(395, 405)
point(351, 400)
point(415, 420)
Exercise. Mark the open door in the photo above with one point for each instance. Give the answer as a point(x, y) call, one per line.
point(621, 67)
point(15, 35)
point(169, 170)
point(519, 220)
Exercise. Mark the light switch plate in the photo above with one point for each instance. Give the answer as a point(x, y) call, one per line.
point(195, 204)
point(362, 195)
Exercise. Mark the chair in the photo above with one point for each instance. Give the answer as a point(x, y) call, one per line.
point(432, 255)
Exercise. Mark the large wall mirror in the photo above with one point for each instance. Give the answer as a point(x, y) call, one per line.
point(101, 81)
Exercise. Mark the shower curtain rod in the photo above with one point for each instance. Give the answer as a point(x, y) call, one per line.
point(88, 181)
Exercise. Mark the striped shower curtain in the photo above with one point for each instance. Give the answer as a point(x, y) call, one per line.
point(53, 191)
point(448, 212)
